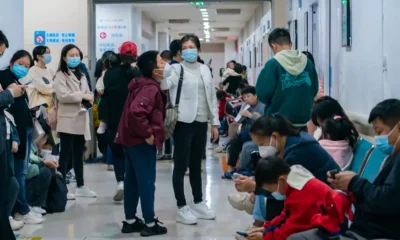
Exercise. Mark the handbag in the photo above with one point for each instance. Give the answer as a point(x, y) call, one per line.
point(38, 131)
point(52, 113)
point(171, 116)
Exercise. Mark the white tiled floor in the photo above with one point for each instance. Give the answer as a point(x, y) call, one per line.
point(98, 219)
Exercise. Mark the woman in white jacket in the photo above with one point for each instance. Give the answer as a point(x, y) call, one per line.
point(41, 77)
point(197, 106)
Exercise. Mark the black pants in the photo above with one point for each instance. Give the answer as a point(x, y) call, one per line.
point(118, 155)
point(234, 150)
point(190, 140)
point(72, 148)
point(167, 149)
point(5, 176)
point(37, 188)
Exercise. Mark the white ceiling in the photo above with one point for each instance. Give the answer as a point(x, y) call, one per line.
point(161, 13)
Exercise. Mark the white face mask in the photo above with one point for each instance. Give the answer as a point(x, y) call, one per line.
point(167, 70)
point(266, 151)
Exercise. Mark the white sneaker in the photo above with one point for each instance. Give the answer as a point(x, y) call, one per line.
point(85, 192)
point(241, 202)
point(102, 128)
point(70, 196)
point(30, 218)
point(16, 225)
point(119, 195)
point(202, 211)
point(38, 210)
point(186, 216)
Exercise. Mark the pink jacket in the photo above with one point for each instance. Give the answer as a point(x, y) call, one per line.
point(340, 151)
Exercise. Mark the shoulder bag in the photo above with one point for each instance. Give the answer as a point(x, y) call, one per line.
point(171, 117)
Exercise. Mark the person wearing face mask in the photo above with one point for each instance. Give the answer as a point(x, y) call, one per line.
point(72, 90)
point(377, 203)
point(141, 132)
point(300, 191)
point(41, 77)
point(288, 82)
point(18, 69)
point(197, 106)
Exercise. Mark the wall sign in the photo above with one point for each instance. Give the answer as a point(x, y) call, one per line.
point(290, 5)
point(47, 38)
point(346, 23)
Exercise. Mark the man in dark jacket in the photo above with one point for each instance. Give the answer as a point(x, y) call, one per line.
point(6, 99)
point(377, 205)
point(141, 131)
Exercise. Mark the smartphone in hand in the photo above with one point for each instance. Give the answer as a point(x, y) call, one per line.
point(243, 234)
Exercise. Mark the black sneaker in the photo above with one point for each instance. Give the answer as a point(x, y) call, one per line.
point(137, 226)
point(157, 229)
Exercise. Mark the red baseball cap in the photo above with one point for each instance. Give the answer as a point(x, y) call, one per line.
point(128, 49)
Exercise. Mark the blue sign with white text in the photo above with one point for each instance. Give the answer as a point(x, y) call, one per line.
point(46, 38)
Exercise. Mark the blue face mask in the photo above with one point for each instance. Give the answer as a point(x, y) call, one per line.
point(47, 58)
point(73, 62)
point(278, 196)
point(19, 71)
point(190, 55)
point(382, 143)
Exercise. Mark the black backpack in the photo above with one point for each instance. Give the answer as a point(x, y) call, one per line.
point(57, 196)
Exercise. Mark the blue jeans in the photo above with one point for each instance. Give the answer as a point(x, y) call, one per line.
point(21, 170)
point(140, 178)
point(109, 156)
point(117, 155)
point(260, 208)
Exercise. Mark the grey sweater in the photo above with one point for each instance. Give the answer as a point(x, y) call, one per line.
point(259, 108)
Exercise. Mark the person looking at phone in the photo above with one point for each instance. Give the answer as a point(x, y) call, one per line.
point(377, 203)
point(300, 191)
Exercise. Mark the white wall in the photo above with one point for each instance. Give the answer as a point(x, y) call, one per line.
point(61, 16)
point(230, 53)
point(12, 25)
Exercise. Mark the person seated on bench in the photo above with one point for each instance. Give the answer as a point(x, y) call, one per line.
point(249, 112)
point(304, 196)
point(324, 108)
point(377, 205)
point(339, 139)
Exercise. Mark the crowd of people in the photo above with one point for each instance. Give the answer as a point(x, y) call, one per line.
point(289, 147)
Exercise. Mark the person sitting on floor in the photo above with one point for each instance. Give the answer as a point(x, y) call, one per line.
point(249, 112)
point(308, 202)
point(39, 177)
point(376, 204)
point(339, 140)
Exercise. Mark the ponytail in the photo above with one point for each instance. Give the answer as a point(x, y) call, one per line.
point(340, 128)
point(266, 125)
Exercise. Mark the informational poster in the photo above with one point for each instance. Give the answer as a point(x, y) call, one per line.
point(47, 38)
point(112, 27)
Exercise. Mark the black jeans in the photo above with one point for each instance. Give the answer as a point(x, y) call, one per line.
point(118, 156)
point(5, 177)
point(12, 195)
point(234, 150)
point(167, 149)
point(190, 141)
point(37, 188)
point(72, 148)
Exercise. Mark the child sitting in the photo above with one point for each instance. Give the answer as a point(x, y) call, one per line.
point(141, 132)
point(339, 140)
point(308, 202)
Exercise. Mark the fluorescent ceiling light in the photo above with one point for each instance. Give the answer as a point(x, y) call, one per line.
point(205, 19)
point(203, 10)
point(208, 40)
point(205, 15)
point(201, 39)
point(206, 24)
point(207, 35)
point(206, 27)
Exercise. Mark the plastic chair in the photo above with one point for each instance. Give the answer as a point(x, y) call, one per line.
point(373, 165)
point(361, 152)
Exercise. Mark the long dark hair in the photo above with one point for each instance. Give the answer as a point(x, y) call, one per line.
point(339, 128)
point(266, 125)
point(63, 67)
point(39, 51)
point(98, 71)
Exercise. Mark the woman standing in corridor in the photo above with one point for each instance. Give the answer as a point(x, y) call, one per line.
point(197, 105)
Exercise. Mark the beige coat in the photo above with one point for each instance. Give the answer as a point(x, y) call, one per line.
point(70, 117)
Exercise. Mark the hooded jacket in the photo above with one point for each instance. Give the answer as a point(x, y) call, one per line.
point(304, 150)
point(143, 114)
point(340, 151)
point(288, 84)
point(309, 204)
